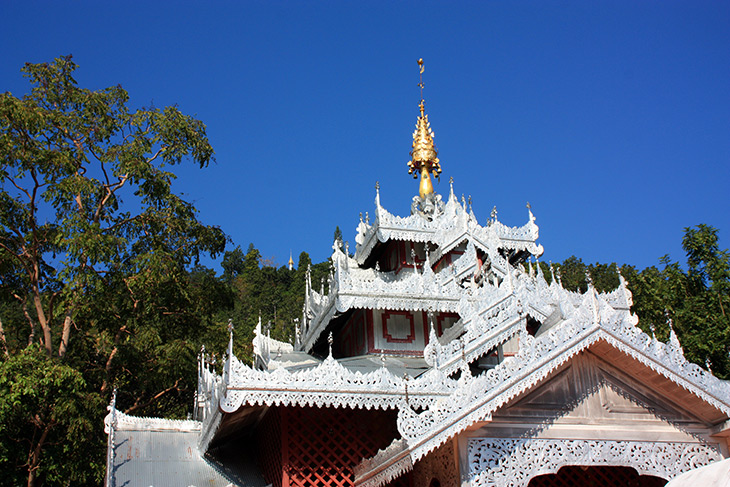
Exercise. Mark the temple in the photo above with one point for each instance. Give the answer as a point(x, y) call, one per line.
point(437, 354)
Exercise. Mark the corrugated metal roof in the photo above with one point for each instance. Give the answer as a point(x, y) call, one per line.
point(149, 458)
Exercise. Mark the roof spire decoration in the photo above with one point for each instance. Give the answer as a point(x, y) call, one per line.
point(424, 157)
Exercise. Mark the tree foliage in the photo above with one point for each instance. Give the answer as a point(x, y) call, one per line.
point(96, 253)
point(101, 286)
point(696, 299)
point(43, 398)
point(275, 294)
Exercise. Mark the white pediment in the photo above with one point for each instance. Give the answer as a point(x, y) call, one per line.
point(588, 390)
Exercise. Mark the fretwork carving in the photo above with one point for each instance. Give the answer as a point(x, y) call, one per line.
point(500, 462)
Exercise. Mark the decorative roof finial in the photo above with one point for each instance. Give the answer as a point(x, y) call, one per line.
point(424, 157)
point(421, 69)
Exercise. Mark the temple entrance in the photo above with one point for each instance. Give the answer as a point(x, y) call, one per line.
point(596, 477)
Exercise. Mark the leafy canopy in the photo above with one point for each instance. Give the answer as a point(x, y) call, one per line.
point(97, 255)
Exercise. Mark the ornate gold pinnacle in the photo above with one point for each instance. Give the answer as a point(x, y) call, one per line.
point(424, 157)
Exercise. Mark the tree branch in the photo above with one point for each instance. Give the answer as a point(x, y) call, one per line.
point(2, 340)
point(108, 365)
point(24, 305)
point(34, 459)
point(110, 190)
point(65, 335)
point(139, 405)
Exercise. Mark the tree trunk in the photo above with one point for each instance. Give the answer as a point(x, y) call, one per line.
point(2, 339)
point(34, 459)
point(45, 326)
point(65, 336)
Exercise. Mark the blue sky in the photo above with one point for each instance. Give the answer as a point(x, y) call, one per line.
point(612, 118)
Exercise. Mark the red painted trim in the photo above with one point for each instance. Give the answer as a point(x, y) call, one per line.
point(411, 334)
point(284, 426)
point(406, 254)
point(440, 318)
point(352, 335)
point(426, 327)
point(370, 325)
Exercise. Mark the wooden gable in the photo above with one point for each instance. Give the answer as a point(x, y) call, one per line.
point(603, 393)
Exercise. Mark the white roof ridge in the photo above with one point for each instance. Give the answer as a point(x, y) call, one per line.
point(128, 422)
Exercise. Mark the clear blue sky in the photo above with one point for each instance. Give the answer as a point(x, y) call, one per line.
point(612, 118)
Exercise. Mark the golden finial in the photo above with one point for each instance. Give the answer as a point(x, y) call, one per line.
point(424, 157)
point(421, 68)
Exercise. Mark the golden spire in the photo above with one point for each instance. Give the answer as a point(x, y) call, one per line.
point(424, 157)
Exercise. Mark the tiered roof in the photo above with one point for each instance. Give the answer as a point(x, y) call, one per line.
point(351, 286)
point(438, 396)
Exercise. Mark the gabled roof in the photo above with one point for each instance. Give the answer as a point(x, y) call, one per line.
point(157, 452)
point(450, 226)
point(446, 230)
point(593, 326)
point(351, 287)
point(333, 384)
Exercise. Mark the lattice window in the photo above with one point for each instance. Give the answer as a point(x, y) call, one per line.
point(588, 476)
point(321, 446)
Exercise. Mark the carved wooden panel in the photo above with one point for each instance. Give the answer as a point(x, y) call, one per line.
point(397, 332)
point(438, 466)
point(589, 390)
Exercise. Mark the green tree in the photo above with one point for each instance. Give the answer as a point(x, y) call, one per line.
point(95, 252)
point(233, 263)
point(43, 398)
point(696, 300)
point(337, 238)
point(573, 272)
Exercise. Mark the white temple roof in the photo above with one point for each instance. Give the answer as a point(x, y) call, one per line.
point(494, 301)
point(446, 230)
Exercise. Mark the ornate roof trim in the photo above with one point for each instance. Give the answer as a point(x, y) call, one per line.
point(514, 461)
point(330, 384)
point(354, 288)
point(447, 230)
point(536, 359)
point(121, 421)
point(368, 473)
point(478, 397)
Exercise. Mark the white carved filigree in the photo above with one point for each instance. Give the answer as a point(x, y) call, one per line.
point(264, 345)
point(370, 472)
point(500, 462)
point(446, 230)
point(330, 384)
point(482, 332)
point(352, 287)
point(477, 397)
point(493, 299)
point(123, 421)
point(620, 298)
point(439, 465)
